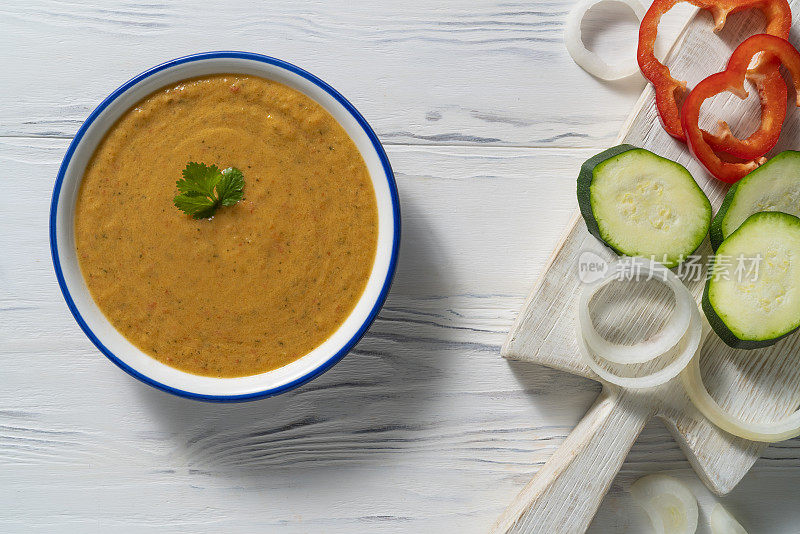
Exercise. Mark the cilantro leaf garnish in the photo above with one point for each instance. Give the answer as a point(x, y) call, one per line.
point(204, 188)
point(231, 188)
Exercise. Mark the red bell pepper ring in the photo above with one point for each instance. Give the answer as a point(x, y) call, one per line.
point(773, 94)
point(779, 20)
point(732, 80)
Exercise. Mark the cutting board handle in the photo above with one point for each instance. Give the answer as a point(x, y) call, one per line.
point(565, 493)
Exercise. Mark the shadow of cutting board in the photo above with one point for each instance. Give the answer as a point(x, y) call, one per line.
point(762, 384)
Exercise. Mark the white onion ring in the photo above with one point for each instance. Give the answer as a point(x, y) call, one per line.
point(670, 505)
point(786, 428)
point(722, 522)
point(693, 336)
point(690, 337)
point(645, 351)
point(588, 60)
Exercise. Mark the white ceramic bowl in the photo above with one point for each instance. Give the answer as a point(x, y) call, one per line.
point(118, 349)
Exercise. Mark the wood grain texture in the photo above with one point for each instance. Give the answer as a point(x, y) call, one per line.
point(566, 492)
point(448, 72)
point(423, 428)
point(757, 385)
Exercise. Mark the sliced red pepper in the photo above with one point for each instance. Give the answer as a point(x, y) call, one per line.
point(779, 20)
point(773, 94)
point(732, 80)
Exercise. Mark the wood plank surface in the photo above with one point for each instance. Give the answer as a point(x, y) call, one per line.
point(421, 72)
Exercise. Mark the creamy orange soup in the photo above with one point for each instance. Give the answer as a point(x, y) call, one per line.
point(263, 282)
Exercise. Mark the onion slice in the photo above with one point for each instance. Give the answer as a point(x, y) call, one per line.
point(786, 428)
point(671, 506)
point(648, 350)
point(662, 376)
point(588, 60)
point(686, 314)
point(722, 522)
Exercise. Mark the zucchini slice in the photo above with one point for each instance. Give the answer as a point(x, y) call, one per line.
point(758, 305)
point(640, 204)
point(775, 186)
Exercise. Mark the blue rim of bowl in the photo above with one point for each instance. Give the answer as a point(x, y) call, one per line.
point(395, 215)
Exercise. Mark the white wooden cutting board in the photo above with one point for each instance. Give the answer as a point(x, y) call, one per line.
point(763, 384)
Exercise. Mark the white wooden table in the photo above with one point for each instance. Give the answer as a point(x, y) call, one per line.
point(422, 428)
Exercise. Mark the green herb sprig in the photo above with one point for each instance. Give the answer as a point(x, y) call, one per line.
point(204, 188)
